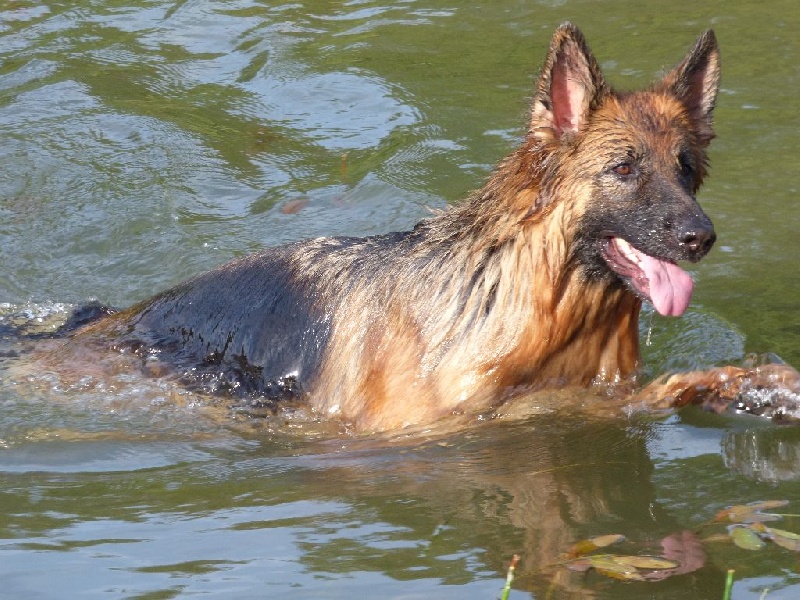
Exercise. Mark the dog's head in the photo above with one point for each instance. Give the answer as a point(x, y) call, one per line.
point(630, 163)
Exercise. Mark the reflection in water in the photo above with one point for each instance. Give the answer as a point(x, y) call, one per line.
point(764, 454)
point(195, 497)
point(260, 500)
point(443, 507)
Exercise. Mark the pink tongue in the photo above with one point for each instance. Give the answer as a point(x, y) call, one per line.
point(670, 286)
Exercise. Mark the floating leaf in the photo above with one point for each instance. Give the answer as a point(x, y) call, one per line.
point(586, 546)
point(768, 504)
point(746, 538)
point(759, 517)
point(784, 539)
point(646, 562)
point(625, 567)
point(750, 513)
point(685, 550)
point(619, 573)
point(607, 565)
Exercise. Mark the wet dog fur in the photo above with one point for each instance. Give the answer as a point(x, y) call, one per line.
point(535, 281)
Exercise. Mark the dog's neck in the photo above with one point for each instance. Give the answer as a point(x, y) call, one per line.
point(552, 326)
point(567, 331)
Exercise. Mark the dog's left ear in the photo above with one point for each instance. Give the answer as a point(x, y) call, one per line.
point(696, 82)
point(570, 86)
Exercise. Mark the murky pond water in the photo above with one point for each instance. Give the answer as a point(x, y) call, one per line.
point(143, 142)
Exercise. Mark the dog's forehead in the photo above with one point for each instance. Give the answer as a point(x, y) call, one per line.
point(646, 118)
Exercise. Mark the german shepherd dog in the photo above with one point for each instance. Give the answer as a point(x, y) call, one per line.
point(535, 281)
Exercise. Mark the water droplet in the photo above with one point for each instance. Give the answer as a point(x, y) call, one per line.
point(647, 339)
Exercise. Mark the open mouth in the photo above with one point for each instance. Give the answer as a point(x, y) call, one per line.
point(661, 281)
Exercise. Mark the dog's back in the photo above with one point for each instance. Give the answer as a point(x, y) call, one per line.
point(536, 280)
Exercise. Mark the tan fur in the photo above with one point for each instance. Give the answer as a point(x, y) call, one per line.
point(553, 327)
point(511, 291)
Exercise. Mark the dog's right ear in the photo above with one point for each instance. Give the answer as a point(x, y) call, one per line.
point(570, 86)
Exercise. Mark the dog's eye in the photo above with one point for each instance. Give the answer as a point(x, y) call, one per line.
point(623, 169)
point(686, 165)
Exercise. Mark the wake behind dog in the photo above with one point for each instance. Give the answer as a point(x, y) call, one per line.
point(534, 282)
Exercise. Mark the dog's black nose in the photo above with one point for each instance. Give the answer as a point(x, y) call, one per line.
point(698, 240)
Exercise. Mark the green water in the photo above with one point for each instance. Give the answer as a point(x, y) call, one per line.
point(142, 142)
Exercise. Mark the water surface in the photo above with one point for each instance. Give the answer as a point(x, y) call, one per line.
point(143, 142)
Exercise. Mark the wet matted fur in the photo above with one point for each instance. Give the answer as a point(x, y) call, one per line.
point(535, 281)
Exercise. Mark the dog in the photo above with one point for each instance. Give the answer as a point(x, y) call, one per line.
point(536, 281)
